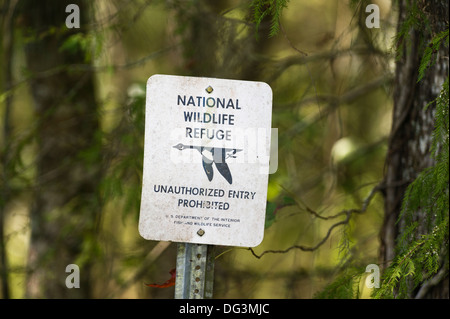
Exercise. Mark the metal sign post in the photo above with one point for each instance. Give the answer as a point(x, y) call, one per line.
point(195, 271)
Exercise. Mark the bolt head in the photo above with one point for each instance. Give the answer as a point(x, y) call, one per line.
point(209, 89)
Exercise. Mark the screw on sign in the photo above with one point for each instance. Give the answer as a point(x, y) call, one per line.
point(206, 140)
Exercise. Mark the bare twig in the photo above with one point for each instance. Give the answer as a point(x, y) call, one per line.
point(289, 41)
point(282, 64)
point(348, 213)
point(431, 283)
point(335, 101)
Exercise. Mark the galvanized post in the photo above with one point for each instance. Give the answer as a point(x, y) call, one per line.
point(195, 271)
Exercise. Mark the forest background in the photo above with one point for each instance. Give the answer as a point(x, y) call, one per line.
point(72, 110)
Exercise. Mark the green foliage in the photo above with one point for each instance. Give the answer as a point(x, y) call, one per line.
point(415, 20)
point(268, 8)
point(431, 51)
point(423, 247)
point(124, 157)
point(346, 286)
point(90, 45)
point(270, 214)
point(421, 260)
point(272, 208)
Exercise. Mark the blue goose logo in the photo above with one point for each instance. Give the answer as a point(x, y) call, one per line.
point(216, 155)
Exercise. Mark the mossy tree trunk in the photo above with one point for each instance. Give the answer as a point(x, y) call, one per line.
point(65, 206)
point(413, 124)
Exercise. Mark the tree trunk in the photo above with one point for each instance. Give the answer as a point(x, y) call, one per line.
point(65, 205)
point(409, 146)
point(213, 45)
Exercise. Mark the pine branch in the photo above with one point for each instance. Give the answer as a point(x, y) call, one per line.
point(406, 258)
point(268, 8)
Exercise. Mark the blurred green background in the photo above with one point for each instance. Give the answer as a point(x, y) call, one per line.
point(331, 78)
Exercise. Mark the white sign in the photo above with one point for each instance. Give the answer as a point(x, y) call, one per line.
point(206, 160)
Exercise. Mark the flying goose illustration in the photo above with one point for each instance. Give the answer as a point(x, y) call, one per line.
point(214, 155)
